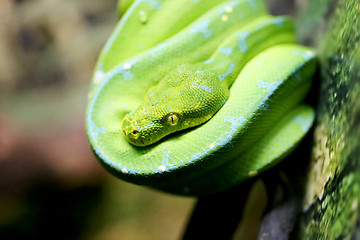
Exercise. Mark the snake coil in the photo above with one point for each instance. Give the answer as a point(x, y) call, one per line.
point(253, 124)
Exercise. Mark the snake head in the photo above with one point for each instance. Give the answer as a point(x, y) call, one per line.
point(182, 100)
point(145, 129)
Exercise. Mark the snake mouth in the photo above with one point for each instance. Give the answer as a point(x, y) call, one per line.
point(136, 138)
point(133, 135)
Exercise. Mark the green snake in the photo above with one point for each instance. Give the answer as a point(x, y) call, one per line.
point(195, 96)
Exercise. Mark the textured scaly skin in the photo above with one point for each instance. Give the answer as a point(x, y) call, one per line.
point(225, 70)
point(192, 94)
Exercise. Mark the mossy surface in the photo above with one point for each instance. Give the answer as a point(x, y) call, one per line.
point(331, 204)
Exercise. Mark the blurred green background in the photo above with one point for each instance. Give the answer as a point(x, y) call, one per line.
point(51, 186)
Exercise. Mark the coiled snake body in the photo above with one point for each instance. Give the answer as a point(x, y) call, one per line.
point(203, 95)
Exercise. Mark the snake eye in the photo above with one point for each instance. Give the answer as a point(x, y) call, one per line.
point(172, 118)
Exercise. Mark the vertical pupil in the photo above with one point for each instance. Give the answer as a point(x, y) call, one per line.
point(172, 118)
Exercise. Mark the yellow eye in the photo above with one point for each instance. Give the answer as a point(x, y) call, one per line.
point(173, 119)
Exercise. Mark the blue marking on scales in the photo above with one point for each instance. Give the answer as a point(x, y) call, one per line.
point(180, 67)
point(211, 60)
point(165, 159)
point(304, 122)
point(252, 3)
point(202, 27)
point(242, 44)
point(268, 87)
point(278, 21)
point(96, 131)
point(305, 54)
point(153, 3)
point(230, 69)
point(209, 69)
point(226, 51)
point(203, 87)
point(236, 123)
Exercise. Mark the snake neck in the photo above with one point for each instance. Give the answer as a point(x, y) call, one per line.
point(232, 55)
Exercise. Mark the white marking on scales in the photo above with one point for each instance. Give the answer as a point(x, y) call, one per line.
point(124, 71)
point(228, 8)
point(224, 18)
point(161, 168)
point(127, 66)
point(98, 77)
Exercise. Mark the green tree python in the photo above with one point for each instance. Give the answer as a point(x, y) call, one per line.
point(195, 96)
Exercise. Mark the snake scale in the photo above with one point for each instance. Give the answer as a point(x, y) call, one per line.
point(195, 96)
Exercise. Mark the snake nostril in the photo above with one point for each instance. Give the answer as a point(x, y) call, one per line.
point(134, 134)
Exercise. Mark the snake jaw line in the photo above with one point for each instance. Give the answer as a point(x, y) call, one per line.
point(137, 131)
